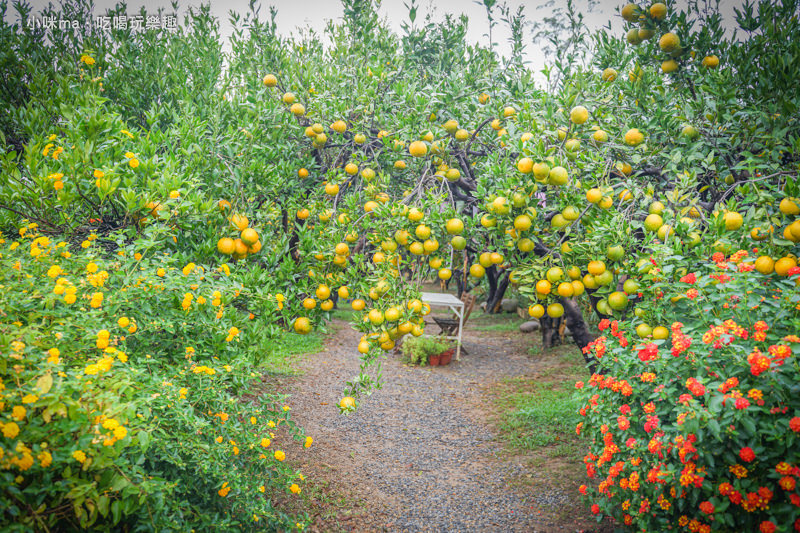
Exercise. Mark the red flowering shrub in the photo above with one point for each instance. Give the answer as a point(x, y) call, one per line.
point(699, 431)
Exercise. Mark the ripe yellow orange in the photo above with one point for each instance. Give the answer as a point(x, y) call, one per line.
point(784, 264)
point(509, 112)
point(418, 149)
point(416, 248)
point(669, 42)
point(600, 136)
point(254, 248)
point(606, 202)
point(669, 66)
point(596, 268)
point(299, 109)
point(523, 223)
point(541, 171)
point(223, 205)
point(323, 292)
point(462, 135)
point(579, 114)
point(226, 246)
point(445, 274)
point(543, 287)
point(630, 12)
point(633, 137)
point(370, 206)
point(270, 80)
point(609, 74)
point(302, 173)
point(565, 289)
point(653, 222)
point(415, 215)
point(658, 11)
point(430, 245)
point(594, 195)
point(577, 287)
point(644, 330)
point(558, 176)
point(400, 164)
point(454, 226)
point(422, 231)
point(249, 236)
point(483, 98)
point(358, 304)
point(711, 61)
point(368, 174)
point(351, 169)
point(497, 258)
point(288, 98)
point(347, 403)
point(660, 332)
point(765, 264)
point(618, 300)
point(733, 220)
point(359, 138)
point(339, 126)
point(477, 271)
point(303, 214)
point(375, 316)
point(331, 189)
point(302, 325)
point(239, 248)
point(536, 310)
point(342, 249)
point(555, 310)
point(525, 165)
point(554, 274)
point(239, 222)
point(309, 303)
point(789, 206)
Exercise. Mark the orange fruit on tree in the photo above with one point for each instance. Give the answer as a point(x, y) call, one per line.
point(525, 165)
point(577, 287)
point(342, 249)
point(543, 287)
point(765, 264)
point(254, 248)
point(226, 246)
point(249, 236)
point(323, 292)
point(240, 248)
point(658, 11)
point(454, 226)
point(239, 221)
point(633, 137)
point(789, 206)
point(579, 114)
point(609, 74)
point(309, 303)
point(630, 12)
point(418, 149)
point(669, 42)
point(347, 403)
point(270, 80)
point(351, 169)
point(327, 305)
point(303, 173)
point(596, 268)
point(477, 271)
point(594, 195)
point(302, 325)
point(618, 300)
point(565, 289)
point(784, 264)
point(358, 304)
point(288, 98)
point(298, 109)
point(445, 274)
point(536, 310)
point(710, 61)
point(733, 220)
point(660, 332)
point(303, 214)
point(555, 310)
point(331, 189)
point(223, 205)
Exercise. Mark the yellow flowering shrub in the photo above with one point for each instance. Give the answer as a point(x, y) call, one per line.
point(114, 396)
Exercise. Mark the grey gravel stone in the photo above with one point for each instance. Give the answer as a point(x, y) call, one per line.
point(529, 326)
point(508, 305)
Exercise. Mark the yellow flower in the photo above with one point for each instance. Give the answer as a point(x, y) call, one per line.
point(129, 155)
point(10, 430)
point(53, 355)
point(98, 173)
point(308, 442)
point(85, 244)
point(279, 455)
point(124, 322)
point(110, 424)
point(183, 392)
point(224, 490)
point(45, 459)
point(253, 420)
point(120, 432)
point(271, 424)
point(161, 272)
point(286, 408)
point(133, 163)
point(54, 271)
point(91, 268)
point(18, 412)
point(29, 398)
point(262, 489)
point(174, 194)
point(218, 439)
point(265, 443)
point(295, 488)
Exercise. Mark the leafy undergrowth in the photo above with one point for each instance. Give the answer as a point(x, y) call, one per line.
point(278, 355)
point(539, 413)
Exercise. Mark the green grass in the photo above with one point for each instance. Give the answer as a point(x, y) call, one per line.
point(480, 321)
point(540, 413)
point(277, 355)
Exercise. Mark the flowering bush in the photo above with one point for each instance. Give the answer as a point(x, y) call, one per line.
point(700, 430)
point(121, 387)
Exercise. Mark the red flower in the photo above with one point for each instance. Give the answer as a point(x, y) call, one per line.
point(767, 527)
point(794, 271)
point(604, 324)
point(582, 489)
point(579, 384)
point(707, 507)
point(794, 424)
point(689, 278)
point(595, 509)
point(742, 403)
point(718, 257)
point(747, 454)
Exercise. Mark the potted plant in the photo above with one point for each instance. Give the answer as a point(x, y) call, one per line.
point(424, 350)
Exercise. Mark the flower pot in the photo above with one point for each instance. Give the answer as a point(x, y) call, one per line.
point(434, 360)
point(446, 356)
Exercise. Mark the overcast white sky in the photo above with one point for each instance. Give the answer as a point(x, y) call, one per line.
point(293, 14)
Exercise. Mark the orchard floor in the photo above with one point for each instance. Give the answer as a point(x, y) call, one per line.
point(426, 452)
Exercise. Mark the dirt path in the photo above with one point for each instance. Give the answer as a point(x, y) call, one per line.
point(420, 454)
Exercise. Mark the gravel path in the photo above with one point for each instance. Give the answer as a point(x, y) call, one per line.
point(418, 453)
